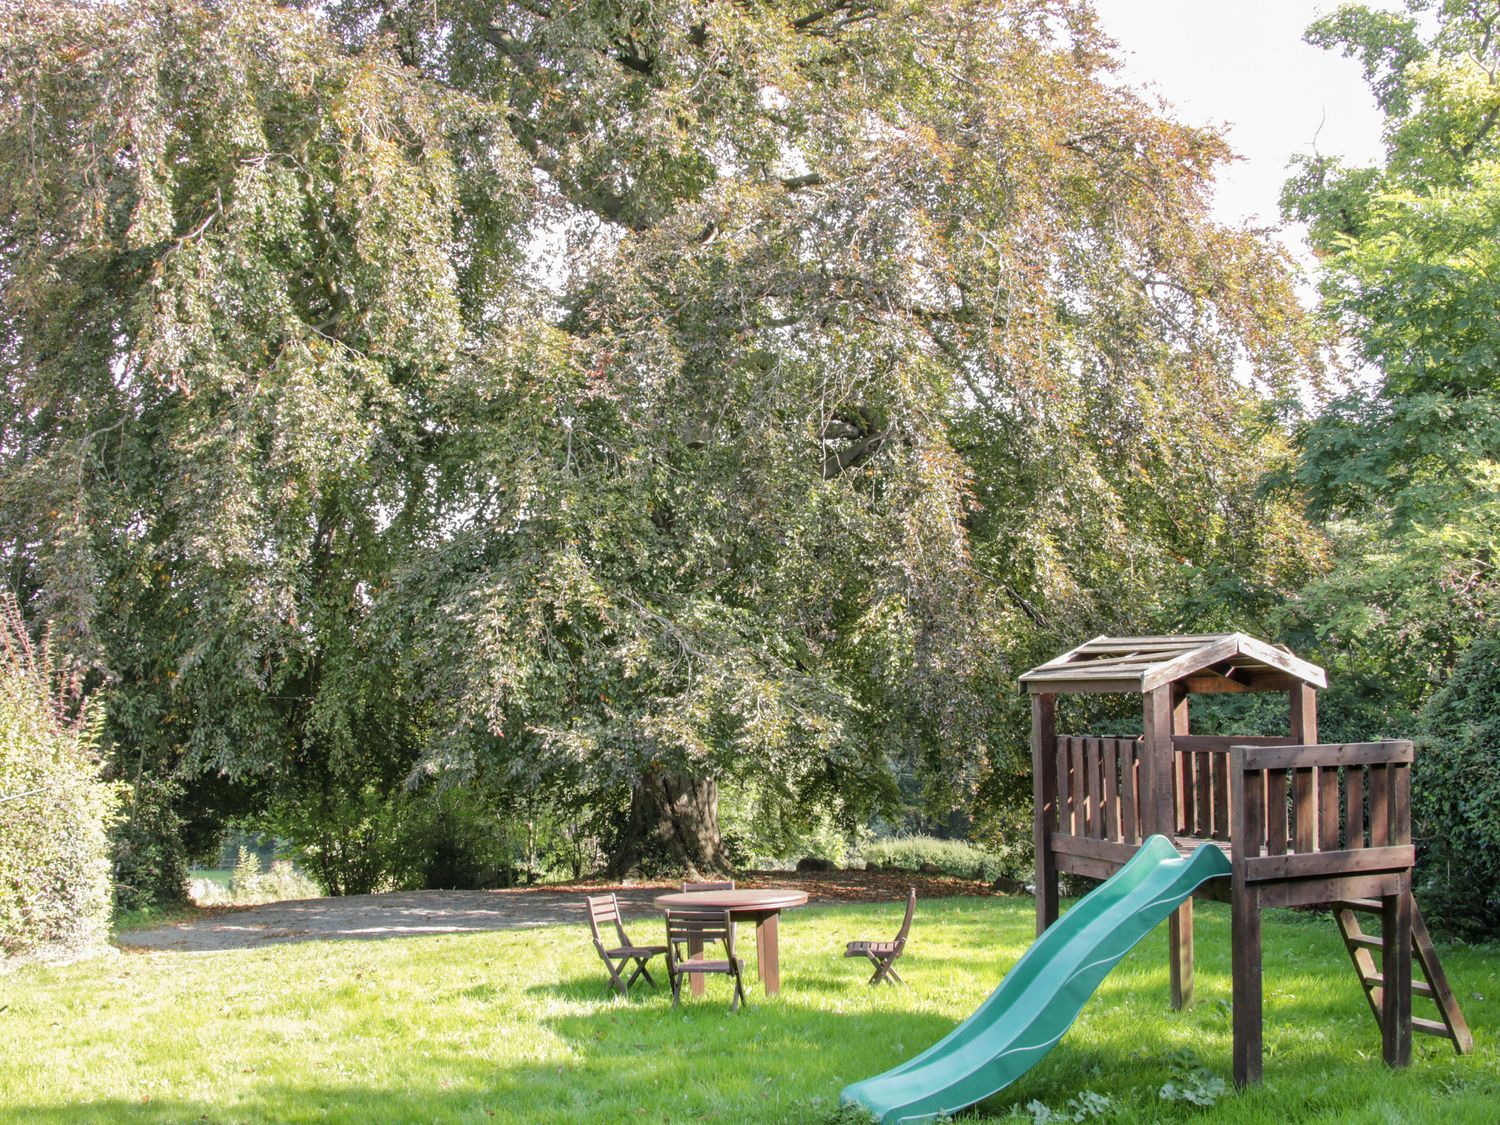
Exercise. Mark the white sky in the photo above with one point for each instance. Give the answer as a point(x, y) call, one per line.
point(1243, 64)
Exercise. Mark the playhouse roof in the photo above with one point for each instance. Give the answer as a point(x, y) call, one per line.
point(1208, 661)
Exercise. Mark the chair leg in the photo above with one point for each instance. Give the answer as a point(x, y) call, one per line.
point(893, 974)
point(614, 977)
point(676, 987)
point(739, 990)
point(642, 971)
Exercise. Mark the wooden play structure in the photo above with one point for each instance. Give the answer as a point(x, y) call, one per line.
point(1302, 823)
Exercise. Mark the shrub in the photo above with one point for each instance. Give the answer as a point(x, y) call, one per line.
point(1456, 796)
point(246, 873)
point(249, 885)
point(150, 862)
point(952, 857)
point(54, 808)
point(357, 838)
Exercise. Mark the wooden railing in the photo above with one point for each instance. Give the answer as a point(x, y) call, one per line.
point(1201, 781)
point(1320, 811)
point(1099, 788)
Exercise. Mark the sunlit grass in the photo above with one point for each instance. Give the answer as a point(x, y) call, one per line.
point(517, 1027)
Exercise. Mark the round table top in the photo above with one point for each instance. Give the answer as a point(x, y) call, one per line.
point(769, 898)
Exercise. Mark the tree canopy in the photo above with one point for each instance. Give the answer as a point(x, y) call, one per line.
point(1405, 462)
point(1408, 257)
point(619, 400)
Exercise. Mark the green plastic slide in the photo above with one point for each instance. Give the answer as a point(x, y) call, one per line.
point(1042, 995)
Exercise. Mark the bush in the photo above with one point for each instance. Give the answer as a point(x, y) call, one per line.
point(150, 862)
point(54, 808)
point(249, 884)
point(952, 857)
point(356, 838)
point(1456, 797)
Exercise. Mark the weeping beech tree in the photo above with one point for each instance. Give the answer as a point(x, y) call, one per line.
point(639, 398)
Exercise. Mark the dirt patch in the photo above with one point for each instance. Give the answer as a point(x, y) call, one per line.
point(416, 913)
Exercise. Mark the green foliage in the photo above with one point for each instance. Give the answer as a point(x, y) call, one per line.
point(880, 354)
point(55, 810)
point(1084, 1106)
point(1408, 254)
point(247, 872)
point(1456, 797)
point(951, 857)
point(350, 836)
point(150, 858)
point(249, 884)
point(1191, 1081)
point(1406, 462)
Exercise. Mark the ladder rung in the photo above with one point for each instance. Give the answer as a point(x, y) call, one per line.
point(1365, 940)
point(1420, 987)
point(1368, 905)
point(1431, 1027)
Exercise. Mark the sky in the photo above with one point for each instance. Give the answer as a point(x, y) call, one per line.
point(1242, 64)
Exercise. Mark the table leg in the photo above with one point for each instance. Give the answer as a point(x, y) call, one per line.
point(768, 958)
point(695, 953)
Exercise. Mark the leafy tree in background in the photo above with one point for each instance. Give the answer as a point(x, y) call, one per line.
point(607, 403)
point(239, 263)
point(1456, 795)
point(1406, 464)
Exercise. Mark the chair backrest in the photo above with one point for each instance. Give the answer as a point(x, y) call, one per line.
point(911, 908)
point(701, 925)
point(725, 885)
point(605, 910)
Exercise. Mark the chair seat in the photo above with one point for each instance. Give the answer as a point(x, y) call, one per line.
point(637, 951)
point(705, 967)
point(860, 948)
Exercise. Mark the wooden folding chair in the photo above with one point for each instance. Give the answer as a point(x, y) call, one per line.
point(883, 954)
point(720, 885)
point(688, 932)
point(603, 911)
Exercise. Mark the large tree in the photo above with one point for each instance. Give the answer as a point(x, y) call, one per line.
point(1409, 249)
point(648, 396)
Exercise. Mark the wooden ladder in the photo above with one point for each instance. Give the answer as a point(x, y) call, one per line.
point(1451, 1024)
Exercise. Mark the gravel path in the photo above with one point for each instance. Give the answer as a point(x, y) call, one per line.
point(415, 913)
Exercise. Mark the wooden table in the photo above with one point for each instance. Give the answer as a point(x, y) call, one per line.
point(761, 907)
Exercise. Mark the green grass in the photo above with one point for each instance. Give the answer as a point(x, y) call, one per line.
point(516, 1027)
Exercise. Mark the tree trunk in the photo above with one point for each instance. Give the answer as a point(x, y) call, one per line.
point(674, 823)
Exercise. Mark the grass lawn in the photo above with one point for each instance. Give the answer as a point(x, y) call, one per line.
point(516, 1027)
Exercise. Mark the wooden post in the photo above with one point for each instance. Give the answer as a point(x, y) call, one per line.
point(1395, 939)
point(1159, 811)
point(1159, 801)
point(1044, 800)
point(1304, 707)
point(1245, 951)
point(1180, 926)
point(1245, 958)
point(1395, 967)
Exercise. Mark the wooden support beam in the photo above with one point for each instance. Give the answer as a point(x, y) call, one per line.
point(1356, 861)
point(1245, 955)
point(1044, 793)
point(1303, 703)
point(1180, 925)
point(1244, 932)
point(1158, 805)
point(1395, 967)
